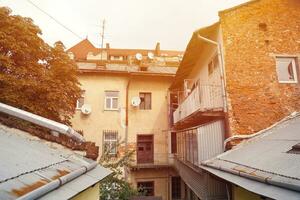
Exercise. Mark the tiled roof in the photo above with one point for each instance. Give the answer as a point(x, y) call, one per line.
point(29, 163)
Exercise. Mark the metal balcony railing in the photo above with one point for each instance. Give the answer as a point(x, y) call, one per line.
point(159, 159)
point(202, 98)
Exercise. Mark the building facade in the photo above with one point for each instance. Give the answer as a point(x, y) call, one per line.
point(237, 77)
point(125, 99)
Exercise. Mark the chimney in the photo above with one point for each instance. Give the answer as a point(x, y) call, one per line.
point(107, 46)
point(157, 49)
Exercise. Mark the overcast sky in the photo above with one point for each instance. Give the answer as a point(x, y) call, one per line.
point(129, 23)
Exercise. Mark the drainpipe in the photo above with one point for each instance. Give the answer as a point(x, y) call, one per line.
point(126, 122)
point(221, 61)
point(57, 182)
point(41, 121)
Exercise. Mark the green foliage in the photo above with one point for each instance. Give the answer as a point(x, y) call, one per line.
point(114, 187)
point(33, 75)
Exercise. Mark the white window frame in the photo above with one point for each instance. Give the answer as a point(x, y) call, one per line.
point(77, 101)
point(294, 68)
point(110, 142)
point(111, 101)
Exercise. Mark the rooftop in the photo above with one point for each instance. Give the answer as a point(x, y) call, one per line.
point(264, 164)
point(30, 166)
point(84, 47)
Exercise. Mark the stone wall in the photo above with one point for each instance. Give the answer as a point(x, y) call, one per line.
point(252, 35)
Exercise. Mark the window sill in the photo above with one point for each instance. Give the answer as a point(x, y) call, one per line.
point(106, 109)
point(288, 82)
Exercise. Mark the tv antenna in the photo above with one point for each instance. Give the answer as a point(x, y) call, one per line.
point(102, 33)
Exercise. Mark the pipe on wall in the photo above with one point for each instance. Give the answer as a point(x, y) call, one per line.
point(221, 61)
point(41, 121)
point(57, 182)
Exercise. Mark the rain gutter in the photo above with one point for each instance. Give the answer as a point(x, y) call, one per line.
point(39, 192)
point(271, 179)
point(41, 121)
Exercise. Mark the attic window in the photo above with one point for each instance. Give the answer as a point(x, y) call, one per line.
point(295, 149)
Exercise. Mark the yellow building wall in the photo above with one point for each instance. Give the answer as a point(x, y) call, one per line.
point(161, 178)
point(100, 119)
point(92, 193)
point(154, 121)
point(240, 193)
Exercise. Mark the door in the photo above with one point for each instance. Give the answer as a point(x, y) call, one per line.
point(144, 149)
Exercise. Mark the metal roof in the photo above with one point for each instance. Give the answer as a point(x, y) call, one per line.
point(28, 163)
point(264, 158)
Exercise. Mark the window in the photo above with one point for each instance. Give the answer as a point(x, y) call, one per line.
point(80, 101)
point(173, 142)
point(110, 142)
point(286, 69)
point(146, 188)
point(111, 100)
point(213, 64)
point(145, 101)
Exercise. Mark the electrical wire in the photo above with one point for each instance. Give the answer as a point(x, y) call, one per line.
point(58, 22)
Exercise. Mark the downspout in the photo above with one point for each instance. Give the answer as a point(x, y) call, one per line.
point(126, 121)
point(221, 61)
point(41, 121)
point(57, 182)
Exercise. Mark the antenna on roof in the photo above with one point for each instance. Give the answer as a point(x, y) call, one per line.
point(102, 33)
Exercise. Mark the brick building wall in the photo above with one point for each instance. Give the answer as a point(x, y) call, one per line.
point(252, 34)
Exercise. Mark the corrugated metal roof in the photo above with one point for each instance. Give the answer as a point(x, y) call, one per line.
point(28, 163)
point(266, 157)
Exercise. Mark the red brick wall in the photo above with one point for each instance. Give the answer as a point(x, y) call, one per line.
point(255, 98)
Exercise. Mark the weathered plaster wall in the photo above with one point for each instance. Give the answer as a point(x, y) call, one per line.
point(255, 98)
point(92, 193)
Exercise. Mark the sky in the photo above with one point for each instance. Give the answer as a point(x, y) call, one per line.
point(128, 23)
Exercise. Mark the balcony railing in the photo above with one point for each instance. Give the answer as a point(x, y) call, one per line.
point(159, 160)
point(202, 98)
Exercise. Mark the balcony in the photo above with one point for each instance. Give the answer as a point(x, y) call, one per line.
point(203, 98)
point(161, 160)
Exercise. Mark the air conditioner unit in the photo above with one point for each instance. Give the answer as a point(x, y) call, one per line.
point(86, 109)
point(135, 101)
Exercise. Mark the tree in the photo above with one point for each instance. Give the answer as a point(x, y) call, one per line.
point(33, 75)
point(114, 186)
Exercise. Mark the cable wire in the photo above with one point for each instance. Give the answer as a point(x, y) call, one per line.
point(58, 22)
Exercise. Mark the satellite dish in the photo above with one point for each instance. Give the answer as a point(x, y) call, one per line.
point(86, 109)
point(139, 56)
point(135, 101)
point(150, 55)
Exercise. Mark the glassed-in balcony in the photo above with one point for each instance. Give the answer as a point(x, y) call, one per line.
point(202, 98)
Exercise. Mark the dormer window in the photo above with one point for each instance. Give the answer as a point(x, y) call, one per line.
point(71, 55)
